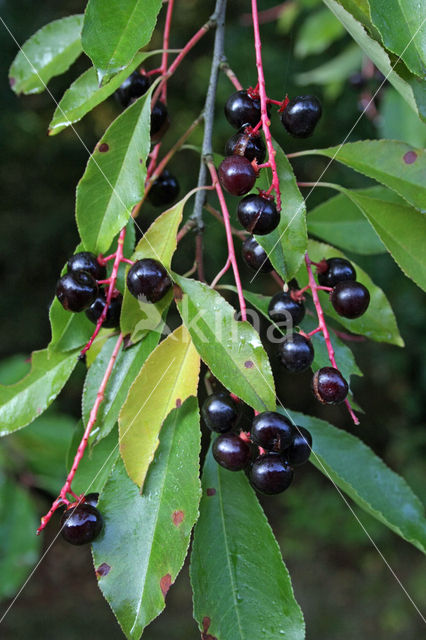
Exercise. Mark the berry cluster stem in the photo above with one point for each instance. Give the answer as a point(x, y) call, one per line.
point(166, 38)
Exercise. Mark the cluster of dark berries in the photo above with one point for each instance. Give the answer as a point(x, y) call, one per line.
point(82, 523)
point(268, 454)
point(78, 290)
point(349, 298)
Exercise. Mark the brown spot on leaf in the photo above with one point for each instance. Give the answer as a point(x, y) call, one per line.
point(206, 625)
point(102, 570)
point(12, 81)
point(410, 157)
point(248, 364)
point(103, 148)
point(140, 160)
point(177, 517)
point(177, 292)
point(211, 491)
point(165, 583)
point(178, 402)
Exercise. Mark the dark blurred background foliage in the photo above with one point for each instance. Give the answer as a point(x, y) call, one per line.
point(342, 584)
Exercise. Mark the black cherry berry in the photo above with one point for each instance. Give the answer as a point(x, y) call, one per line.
point(300, 448)
point(255, 256)
point(350, 299)
point(136, 85)
point(241, 109)
point(283, 308)
point(164, 190)
point(112, 318)
point(296, 352)
point(149, 279)
point(159, 121)
point(91, 498)
point(87, 261)
point(76, 290)
point(258, 214)
point(236, 175)
point(270, 474)
point(329, 386)
point(335, 270)
point(81, 524)
point(301, 116)
point(231, 452)
point(243, 144)
point(220, 412)
point(271, 431)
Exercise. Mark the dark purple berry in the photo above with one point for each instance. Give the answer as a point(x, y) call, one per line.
point(300, 448)
point(87, 261)
point(136, 85)
point(149, 279)
point(243, 144)
point(112, 318)
point(81, 524)
point(164, 190)
point(237, 175)
point(350, 299)
point(271, 431)
point(159, 121)
point(271, 474)
point(258, 214)
point(220, 412)
point(296, 352)
point(283, 308)
point(76, 290)
point(335, 270)
point(255, 256)
point(301, 116)
point(91, 498)
point(357, 81)
point(329, 386)
point(231, 452)
point(241, 110)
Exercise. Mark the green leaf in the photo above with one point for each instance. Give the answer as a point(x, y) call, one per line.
point(127, 367)
point(366, 479)
point(340, 222)
point(395, 164)
point(402, 230)
point(20, 546)
point(69, 330)
point(318, 31)
point(153, 528)
point(231, 349)
point(398, 24)
point(24, 401)
point(286, 245)
point(114, 32)
point(335, 70)
point(396, 120)
point(168, 376)
point(48, 53)
point(115, 177)
point(85, 94)
point(372, 48)
point(242, 589)
point(378, 322)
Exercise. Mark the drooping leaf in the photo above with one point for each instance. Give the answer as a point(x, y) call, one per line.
point(154, 528)
point(127, 367)
point(396, 120)
point(22, 402)
point(398, 24)
point(48, 53)
point(231, 349)
point(335, 70)
point(114, 32)
point(168, 376)
point(318, 31)
point(365, 478)
point(378, 322)
point(85, 94)
point(69, 330)
point(19, 546)
point(286, 245)
point(115, 177)
point(242, 589)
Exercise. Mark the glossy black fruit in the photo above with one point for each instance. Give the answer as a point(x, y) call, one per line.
point(164, 190)
point(81, 524)
point(296, 352)
point(350, 299)
point(271, 431)
point(258, 214)
point(220, 412)
point(329, 386)
point(87, 261)
point(300, 448)
point(76, 290)
point(271, 474)
point(133, 87)
point(243, 144)
point(159, 121)
point(301, 115)
point(237, 175)
point(112, 318)
point(335, 270)
point(255, 256)
point(91, 498)
point(231, 452)
point(241, 110)
point(149, 279)
point(282, 308)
